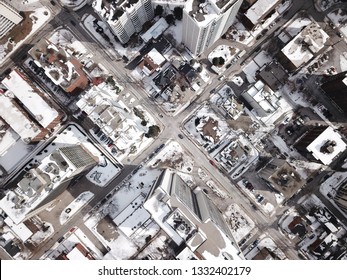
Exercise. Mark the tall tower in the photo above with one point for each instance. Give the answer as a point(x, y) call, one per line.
point(41, 185)
point(9, 17)
point(125, 17)
point(341, 198)
point(204, 23)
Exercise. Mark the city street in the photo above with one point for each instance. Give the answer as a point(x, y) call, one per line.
point(170, 128)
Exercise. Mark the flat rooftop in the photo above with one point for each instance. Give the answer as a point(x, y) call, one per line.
point(18, 121)
point(327, 146)
point(304, 45)
point(208, 10)
point(43, 113)
point(259, 8)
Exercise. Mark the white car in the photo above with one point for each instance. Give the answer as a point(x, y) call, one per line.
point(221, 78)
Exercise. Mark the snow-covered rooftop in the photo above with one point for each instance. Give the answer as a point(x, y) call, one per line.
point(31, 99)
point(19, 122)
point(304, 45)
point(156, 30)
point(38, 185)
point(76, 254)
point(112, 116)
point(337, 146)
point(261, 98)
point(205, 12)
point(171, 207)
point(7, 138)
point(259, 8)
point(20, 230)
point(156, 56)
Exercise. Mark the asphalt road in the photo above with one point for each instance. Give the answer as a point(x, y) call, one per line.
point(171, 127)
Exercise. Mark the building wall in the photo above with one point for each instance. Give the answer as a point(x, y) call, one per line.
point(198, 38)
point(336, 89)
point(341, 198)
point(132, 20)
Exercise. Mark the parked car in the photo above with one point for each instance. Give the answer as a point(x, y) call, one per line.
point(221, 78)
point(260, 199)
point(180, 136)
point(250, 187)
point(243, 241)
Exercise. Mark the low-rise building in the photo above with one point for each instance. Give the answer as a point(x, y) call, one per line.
point(112, 116)
point(304, 46)
point(258, 12)
point(262, 98)
point(152, 62)
point(233, 107)
point(282, 177)
point(25, 108)
point(60, 65)
point(273, 75)
point(155, 31)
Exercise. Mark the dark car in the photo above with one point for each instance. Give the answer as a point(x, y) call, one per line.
point(250, 187)
point(52, 3)
point(73, 23)
point(339, 34)
point(180, 136)
point(243, 241)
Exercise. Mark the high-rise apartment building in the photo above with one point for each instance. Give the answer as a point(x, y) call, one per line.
point(125, 17)
point(205, 22)
point(41, 185)
point(336, 88)
point(9, 17)
point(341, 197)
point(191, 219)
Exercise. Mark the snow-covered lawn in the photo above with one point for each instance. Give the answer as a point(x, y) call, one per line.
point(77, 204)
point(175, 31)
point(173, 156)
point(222, 52)
point(102, 174)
